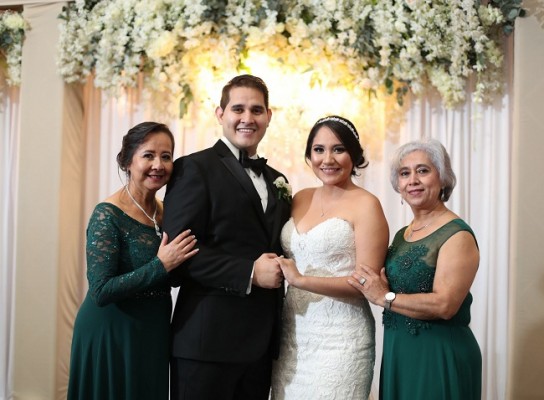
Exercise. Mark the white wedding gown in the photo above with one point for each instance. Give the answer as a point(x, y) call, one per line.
point(327, 345)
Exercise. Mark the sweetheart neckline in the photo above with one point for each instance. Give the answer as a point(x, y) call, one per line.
point(316, 225)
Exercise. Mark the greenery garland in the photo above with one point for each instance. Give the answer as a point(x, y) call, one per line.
point(12, 34)
point(395, 45)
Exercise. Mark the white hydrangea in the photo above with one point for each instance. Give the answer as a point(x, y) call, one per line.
point(363, 44)
point(162, 45)
point(12, 34)
point(14, 21)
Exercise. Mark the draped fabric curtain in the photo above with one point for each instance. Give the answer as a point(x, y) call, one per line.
point(477, 138)
point(478, 141)
point(9, 133)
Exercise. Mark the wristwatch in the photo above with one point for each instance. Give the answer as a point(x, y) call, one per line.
point(389, 298)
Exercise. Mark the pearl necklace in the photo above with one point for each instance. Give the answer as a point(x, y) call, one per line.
point(412, 230)
point(152, 219)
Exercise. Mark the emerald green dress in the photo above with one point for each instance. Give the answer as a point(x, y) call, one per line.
point(427, 359)
point(120, 345)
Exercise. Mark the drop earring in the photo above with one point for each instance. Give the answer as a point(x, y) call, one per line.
point(401, 201)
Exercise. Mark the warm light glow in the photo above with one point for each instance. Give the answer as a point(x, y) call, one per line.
point(297, 99)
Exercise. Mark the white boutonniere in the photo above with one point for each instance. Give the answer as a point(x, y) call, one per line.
point(284, 189)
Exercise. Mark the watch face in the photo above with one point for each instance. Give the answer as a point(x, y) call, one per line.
point(390, 296)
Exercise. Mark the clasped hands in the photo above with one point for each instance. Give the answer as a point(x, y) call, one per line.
point(270, 270)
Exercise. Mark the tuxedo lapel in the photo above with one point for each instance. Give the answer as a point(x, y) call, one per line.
point(233, 165)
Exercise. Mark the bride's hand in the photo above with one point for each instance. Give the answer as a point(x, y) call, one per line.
point(290, 271)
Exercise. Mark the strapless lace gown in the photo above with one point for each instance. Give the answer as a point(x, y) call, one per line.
point(327, 346)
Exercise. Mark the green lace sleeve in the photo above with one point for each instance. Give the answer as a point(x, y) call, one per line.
point(121, 257)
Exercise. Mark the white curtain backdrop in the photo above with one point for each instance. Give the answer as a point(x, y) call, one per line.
point(477, 138)
point(9, 133)
point(478, 141)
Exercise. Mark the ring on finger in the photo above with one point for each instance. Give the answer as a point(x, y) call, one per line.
point(362, 281)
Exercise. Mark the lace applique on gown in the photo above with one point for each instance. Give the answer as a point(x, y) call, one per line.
point(427, 359)
point(121, 340)
point(327, 346)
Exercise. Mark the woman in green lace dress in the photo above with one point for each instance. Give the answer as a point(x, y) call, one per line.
point(429, 351)
point(120, 345)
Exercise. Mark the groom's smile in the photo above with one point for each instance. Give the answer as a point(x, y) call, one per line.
point(245, 118)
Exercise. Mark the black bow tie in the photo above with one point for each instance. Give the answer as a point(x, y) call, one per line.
point(255, 164)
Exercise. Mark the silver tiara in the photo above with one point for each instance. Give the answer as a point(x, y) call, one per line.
point(335, 119)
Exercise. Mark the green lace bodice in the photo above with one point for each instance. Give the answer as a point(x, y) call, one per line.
point(121, 258)
point(410, 268)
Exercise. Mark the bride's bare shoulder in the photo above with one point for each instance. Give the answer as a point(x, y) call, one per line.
point(304, 195)
point(363, 195)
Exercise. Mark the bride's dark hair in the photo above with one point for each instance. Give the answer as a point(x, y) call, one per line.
point(346, 132)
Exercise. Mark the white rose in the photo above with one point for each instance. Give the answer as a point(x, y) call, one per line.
point(400, 27)
point(163, 45)
point(14, 21)
point(330, 5)
point(289, 189)
point(284, 189)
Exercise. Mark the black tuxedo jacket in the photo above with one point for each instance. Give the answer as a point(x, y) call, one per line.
point(214, 319)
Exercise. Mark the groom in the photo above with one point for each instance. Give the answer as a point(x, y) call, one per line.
point(226, 322)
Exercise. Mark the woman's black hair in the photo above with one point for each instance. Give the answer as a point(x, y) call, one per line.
point(346, 132)
point(135, 137)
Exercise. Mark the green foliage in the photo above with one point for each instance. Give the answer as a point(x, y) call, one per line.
point(511, 9)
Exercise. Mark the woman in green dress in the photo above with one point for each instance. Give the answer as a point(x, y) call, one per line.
point(120, 345)
point(429, 351)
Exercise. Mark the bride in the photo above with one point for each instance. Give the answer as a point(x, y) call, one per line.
point(327, 345)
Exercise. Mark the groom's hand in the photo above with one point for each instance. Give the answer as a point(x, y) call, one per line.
point(267, 272)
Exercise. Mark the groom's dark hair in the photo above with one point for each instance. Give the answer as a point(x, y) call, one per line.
point(248, 81)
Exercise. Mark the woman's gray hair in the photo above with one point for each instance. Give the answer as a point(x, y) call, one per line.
point(438, 156)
